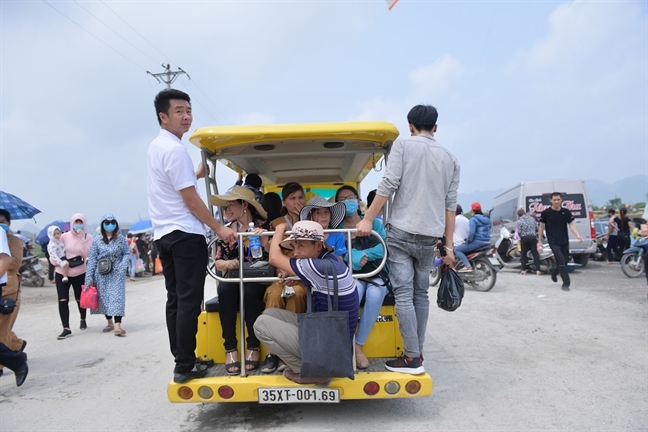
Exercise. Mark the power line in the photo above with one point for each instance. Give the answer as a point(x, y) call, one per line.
point(205, 94)
point(110, 28)
point(93, 35)
point(138, 33)
point(169, 74)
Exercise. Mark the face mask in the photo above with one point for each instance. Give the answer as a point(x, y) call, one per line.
point(77, 228)
point(110, 227)
point(351, 207)
point(5, 227)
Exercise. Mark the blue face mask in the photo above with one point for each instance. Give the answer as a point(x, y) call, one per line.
point(4, 227)
point(351, 207)
point(77, 227)
point(110, 227)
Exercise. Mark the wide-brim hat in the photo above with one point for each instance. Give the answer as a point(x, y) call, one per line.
point(306, 230)
point(239, 193)
point(338, 210)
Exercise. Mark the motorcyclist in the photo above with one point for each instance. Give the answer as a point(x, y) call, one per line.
point(478, 235)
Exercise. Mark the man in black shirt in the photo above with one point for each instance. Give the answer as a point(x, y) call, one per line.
point(556, 219)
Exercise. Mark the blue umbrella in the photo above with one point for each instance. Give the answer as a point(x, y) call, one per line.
point(42, 238)
point(141, 226)
point(17, 208)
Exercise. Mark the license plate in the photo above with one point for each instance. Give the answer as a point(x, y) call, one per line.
point(493, 261)
point(298, 395)
point(38, 267)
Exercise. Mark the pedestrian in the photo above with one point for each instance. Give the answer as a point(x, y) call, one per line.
point(77, 245)
point(56, 251)
point(611, 237)
point(16, 360)
point(418, 217)
point(462, 227)
point(109, 245)
point(527, 227)
point(624, 226)
point(132, 248)
point(12, 289)
point(556, 220)
point(178, 214)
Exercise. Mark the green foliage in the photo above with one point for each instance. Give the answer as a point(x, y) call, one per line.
point(615, 203)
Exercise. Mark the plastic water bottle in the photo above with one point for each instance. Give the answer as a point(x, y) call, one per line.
point(255, 244)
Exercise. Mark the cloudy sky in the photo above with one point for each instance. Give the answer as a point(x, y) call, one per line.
point(525, 90)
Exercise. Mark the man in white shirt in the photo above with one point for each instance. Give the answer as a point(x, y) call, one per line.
point(178, 214)
point(14, 360)
point(462, 227)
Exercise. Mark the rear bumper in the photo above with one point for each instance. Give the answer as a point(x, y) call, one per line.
point(577, 248)
point(246, 389)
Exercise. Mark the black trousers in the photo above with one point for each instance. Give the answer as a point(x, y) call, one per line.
point(529, 243)
point(12, 359)
point(612, 248)
point(623, 239)
point(561, 252)
point(184, 259)
point(63, 292)
point(229, 299)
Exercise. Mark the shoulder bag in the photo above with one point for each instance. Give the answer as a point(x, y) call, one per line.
point(324, 337)
point(75, 261)
point(7, 305)
point(105, 265)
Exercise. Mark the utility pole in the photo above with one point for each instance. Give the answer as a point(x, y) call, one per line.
point(169, 74)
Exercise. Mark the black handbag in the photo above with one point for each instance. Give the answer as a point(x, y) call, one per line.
point(324, 337)
point(75, 261)
point(451, 290)
point(7, 305)
point(254, 269)
point(105, 265)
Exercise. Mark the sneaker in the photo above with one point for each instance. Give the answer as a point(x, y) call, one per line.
point(66, 333)
point(554, 277)
point(23, 346)
point(281, 366)
point(406, 364)
point(565, 287)
point(83, 325)
point(269, 365)
point(422, 359)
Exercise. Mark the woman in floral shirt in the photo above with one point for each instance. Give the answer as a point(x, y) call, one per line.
point(240, 208)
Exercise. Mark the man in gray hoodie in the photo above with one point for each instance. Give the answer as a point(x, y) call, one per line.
point(423, 177)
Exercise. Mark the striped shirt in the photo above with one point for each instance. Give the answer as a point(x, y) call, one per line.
point(311, 272)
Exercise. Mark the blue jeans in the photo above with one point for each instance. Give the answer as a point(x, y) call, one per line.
point(371, 310)
point(461, 250)
point(411, 257)
point(132, 265)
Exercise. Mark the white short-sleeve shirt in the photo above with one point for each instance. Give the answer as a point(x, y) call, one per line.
point(4, 249)
point(169, 170)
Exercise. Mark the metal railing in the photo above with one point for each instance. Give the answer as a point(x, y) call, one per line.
point(242, 280)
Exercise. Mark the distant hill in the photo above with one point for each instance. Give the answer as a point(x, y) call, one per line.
point(631, 190)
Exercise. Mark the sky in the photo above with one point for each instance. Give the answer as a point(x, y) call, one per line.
point(526, 90)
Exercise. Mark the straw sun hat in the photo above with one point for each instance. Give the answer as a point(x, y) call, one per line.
point(239, 193)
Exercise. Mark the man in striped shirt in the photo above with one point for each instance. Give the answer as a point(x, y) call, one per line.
point(277, 329)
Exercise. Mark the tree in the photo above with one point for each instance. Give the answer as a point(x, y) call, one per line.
point(615, 203)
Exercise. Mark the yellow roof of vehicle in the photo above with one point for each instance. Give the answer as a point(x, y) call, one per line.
point(281, 153)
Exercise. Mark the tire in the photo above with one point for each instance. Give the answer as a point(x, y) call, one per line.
point(632, 265)
point(581, 259)
point(482, 265)
point(37, 280)
point(435, 276)
point(600, 254)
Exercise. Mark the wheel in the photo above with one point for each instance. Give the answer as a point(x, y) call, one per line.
point(37, 280)
point(211, 263)
point(435, 276)
point(581, 259)
point(600, 254)
point(484, 268)
point(632, 265)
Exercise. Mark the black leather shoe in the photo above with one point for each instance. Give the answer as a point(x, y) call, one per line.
point(270, 364)
point(21, 374)
point(179, 377)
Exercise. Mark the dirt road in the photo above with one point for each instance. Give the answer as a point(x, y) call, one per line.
point(524, 356)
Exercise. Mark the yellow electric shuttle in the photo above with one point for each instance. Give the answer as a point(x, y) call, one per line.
point(321, 157)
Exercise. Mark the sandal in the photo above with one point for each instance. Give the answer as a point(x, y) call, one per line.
point(234, 366)
point(523, 272)
point(252, 365)
point(108, 328)
point(120, 332)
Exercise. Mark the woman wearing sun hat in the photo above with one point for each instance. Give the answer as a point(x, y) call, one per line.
point(240, 207)
point(330, 216)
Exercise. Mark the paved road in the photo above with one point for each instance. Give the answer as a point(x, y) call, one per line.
point(524, 356)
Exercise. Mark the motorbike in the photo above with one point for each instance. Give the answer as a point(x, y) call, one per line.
point(483, 275)
point(633, 260)
point(32, 271)
point(508, 255)
point(601, 245)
